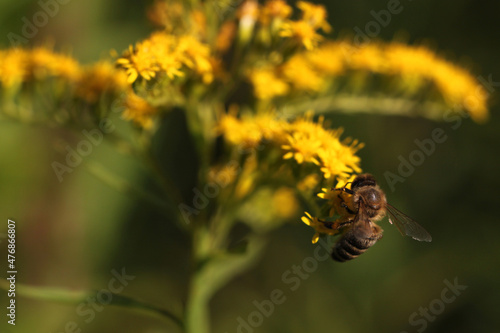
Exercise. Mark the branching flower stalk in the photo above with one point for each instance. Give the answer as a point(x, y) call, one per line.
point(254, 82)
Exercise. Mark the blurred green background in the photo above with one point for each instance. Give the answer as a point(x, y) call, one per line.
point(73, 234)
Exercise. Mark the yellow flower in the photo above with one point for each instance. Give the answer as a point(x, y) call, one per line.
point(267, 84)
point(460, 88)
point(167, 54)
point(138, 63)
point(335, 198)
point(315, 15)
point(274, 10)
point(196, 56)
point(327, 59)
point(303, 140)
point(368, 57)
point(299, 72)
point(456, 85)
point(302, 147)
point(44, 62)
point(100, 78)
point(309, 182)
point(284, 202)
point(310, 142)
point(139, 110)
point(340, 151)
point(13, 65)
point(303, 32)
point(239, 133)
point(317, 225)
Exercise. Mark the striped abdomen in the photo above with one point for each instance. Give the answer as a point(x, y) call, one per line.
point(355, 242)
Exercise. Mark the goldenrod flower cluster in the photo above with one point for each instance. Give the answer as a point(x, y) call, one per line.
point(302, 141)
point(56, 81)
point(169, 55)
point(407, 69)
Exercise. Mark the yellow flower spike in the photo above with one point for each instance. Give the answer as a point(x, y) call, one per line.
point(267, 84)
point(315, 15)
point(13, 67)
point(303, 140)
point(98, 78)
point(302, 76)
point(139, 110)
point(168, 54)
point(303, 32)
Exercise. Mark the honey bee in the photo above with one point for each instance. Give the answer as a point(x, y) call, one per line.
point(364, 205)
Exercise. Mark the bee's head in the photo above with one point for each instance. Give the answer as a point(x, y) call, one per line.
point(368, 194)
point(362, 181)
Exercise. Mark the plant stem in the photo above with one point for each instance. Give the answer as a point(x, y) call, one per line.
point(211, 274)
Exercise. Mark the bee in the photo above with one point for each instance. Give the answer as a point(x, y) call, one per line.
point(365, 204)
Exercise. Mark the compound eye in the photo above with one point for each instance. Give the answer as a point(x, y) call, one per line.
point(373, 199)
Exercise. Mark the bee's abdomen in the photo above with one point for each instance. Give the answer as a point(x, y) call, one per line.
point(351, 246)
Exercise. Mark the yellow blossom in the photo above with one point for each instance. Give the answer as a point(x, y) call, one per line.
point(303, 140)
point(12, 67)
point(44, 62)
point(309, 182)
point(456, 85)
point(99, 78)
point(368, 57)
point(303, 32)
point(299, 72)
point(315, 15)
point(196, 56)
point(284, 202)
point(274, 10)
point(318, 225)
point(167, 54)
point(239, 133)
point(302, 147)
point(267, 84)
point(139, 110)
point(335, 198)
point(327, 59)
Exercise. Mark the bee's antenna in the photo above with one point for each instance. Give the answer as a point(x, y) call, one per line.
point(343, 189)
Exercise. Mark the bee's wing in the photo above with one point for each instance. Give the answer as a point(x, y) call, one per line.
point(407, 226)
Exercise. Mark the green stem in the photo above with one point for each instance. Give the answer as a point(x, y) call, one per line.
point(211, 274)
point(80, 296)
point(366, 104)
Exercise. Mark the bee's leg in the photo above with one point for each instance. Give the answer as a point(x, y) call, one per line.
point(343, 189)
point(344, 205)
point(335, 225)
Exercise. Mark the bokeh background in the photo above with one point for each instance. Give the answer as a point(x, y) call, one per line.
point(73, 234)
